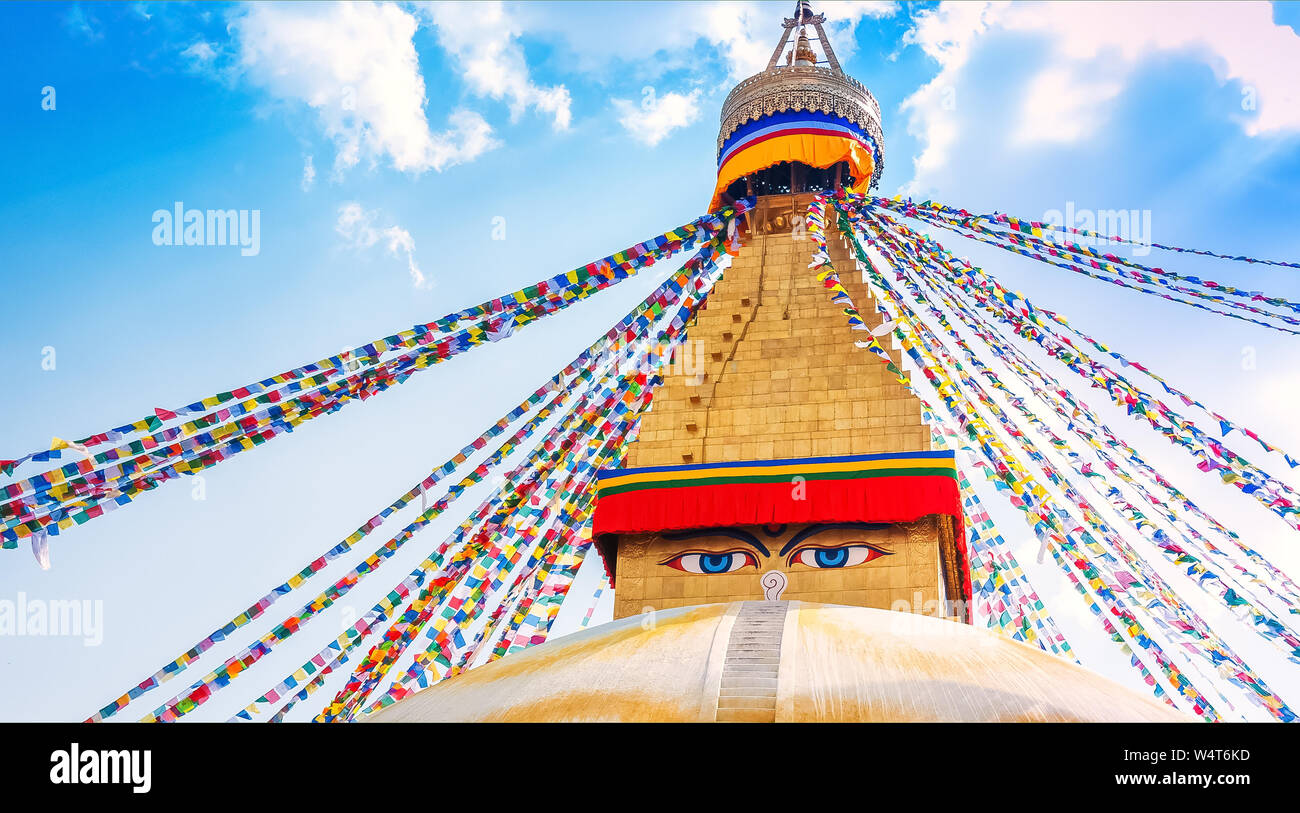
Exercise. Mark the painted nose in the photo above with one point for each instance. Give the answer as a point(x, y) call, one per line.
point(774, 583)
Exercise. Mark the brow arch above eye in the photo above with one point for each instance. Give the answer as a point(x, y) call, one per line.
point(813, 530)
point(729, 533)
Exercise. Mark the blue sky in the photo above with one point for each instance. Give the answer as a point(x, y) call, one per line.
point(381, 143)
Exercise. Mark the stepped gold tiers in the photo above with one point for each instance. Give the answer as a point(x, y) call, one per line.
point(779, 661)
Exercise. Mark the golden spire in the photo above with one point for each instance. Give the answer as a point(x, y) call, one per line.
point(803, 52)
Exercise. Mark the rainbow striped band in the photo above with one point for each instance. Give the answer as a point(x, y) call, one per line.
point(801, 122)
point(890, 487)
point(810, 137)
point(855, 467)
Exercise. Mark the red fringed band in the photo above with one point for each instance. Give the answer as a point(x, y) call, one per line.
point(897, 487)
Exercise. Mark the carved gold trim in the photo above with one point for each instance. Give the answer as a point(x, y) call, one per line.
point(804, 88)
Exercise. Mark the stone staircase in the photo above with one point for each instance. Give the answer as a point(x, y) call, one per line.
point(749, 673)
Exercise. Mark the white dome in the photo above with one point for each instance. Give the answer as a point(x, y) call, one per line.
point(784, 661)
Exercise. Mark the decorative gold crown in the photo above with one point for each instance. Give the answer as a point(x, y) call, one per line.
point(780, 88)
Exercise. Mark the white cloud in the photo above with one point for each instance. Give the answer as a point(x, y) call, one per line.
point(654, 117)
point(482, 41)
point(400, 240)
point(308, 173)
point(1057, 106)
point(81, 22)
point(945, 34)
point(356, 225)
point(694, 37)
point(742, 34)
point(843, 16)
point(200, 52)
point(355, 64)
point(1095, 48)
point(468, 137)
point(747, 33)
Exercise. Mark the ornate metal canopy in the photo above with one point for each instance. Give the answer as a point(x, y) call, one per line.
point(795, 86)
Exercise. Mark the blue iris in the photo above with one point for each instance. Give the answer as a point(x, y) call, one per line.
point(715, 562)
point(831, 557)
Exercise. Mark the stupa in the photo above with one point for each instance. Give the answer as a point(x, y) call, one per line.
point(783, 542)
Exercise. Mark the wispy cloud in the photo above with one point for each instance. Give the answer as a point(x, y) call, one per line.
point(308, 173)
point(82, 23)
point(356, 66)
point(740, 35)
point(200, 53)
point(357, 226)
point(946, 35)
point(1093, 51)
point(482, 40)
point(748, 32)
point(654, 117)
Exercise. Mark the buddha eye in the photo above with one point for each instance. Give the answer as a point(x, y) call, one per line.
point(840, 556)
point(712, 562)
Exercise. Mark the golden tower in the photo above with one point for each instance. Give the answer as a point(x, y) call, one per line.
point(783, 393)
point(783, 504)
point(780, 379)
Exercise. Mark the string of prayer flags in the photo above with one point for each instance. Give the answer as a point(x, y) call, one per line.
point(1000, 468)
point(1003, 466)
point(78, 492)
point(1039, 229)
point(1161, 607)
point(1103, 269)
point(368, 674)
point(440, 652)
point(1037, 325)
point(1265, 622)
point(683, 286)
